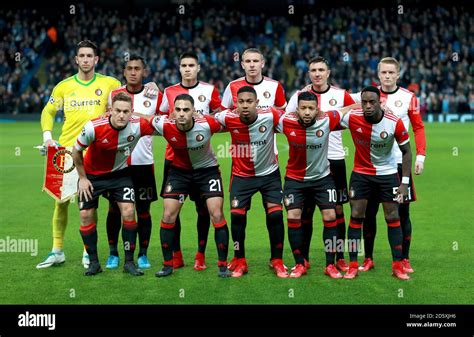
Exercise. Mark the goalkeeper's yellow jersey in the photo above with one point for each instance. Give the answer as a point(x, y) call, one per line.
point(80, 101)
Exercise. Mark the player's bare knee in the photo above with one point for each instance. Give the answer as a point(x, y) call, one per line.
point(87, 216)
point(328, 214)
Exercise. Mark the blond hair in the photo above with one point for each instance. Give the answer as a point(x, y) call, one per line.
point(389, 60)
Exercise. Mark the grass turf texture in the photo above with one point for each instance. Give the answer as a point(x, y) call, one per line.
point(442, 250)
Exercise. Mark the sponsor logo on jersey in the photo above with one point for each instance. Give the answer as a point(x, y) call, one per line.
point(90, 102)
point(383, 134)
point(199, 138)
point(332, 102)
point(98, 92)
point(131, 138)
point(235, 203)
point(319, 133)
point(262, 128)
point(398, 103)
point(147, 104)
point(266, 94)
point(201, 98)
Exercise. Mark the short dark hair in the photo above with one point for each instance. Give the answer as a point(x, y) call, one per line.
point(135, 57)
point(247, 88)
point(121, 96)
point(307, 96)
point(371, 88)
point(184, 97)
point(189, 54)
point(87, 44)
point(318, 59)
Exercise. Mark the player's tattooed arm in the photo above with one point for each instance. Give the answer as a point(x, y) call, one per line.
point(147, 117)
point(84, 186)
point(348, 108)
point(151, 90)
point(406, 171)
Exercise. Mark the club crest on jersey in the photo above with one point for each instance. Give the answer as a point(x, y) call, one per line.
point(168, 188)
point(262, 128)
point(98, 92)
point(267, 95)
point(398, 103)
point(147, 104)
point(332, 102)
point(383, 134)
point(130, 138)
point(201, 98)
point(235, 203)
point(199, 138)
point(319, 133)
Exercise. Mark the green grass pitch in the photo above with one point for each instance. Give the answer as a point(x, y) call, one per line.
point(442, 249)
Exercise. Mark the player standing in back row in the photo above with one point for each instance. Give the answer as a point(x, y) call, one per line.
point(328, 98)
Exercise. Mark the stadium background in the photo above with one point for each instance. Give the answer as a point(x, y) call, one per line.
point(434, 45)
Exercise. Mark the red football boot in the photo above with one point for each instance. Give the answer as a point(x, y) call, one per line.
point(353, 270)
point(332, 271)
point(398, 271)
point(279, 268)
point(298, 271)
point(232, 264)
point(178, 261)
point(241, 268)
point(406, 266)
point(199, 261)
point(342, 265)
point(367, 265)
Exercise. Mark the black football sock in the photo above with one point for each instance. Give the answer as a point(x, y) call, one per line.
point(370, 227)
point(341, 234)
point(203, 225)
point(295, 236)
point(166, 237)
point(221, 236)
point(405, 223)
point(354, 235)
point(395, 238)
point(238, 223)
point(89, 237)
point(176, 244)
point(276, 231)
point(129, 237)
point(307, 228)
point(144, 232)
point(330, 240)
point(113, 224)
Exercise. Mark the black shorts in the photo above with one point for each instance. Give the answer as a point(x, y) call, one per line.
point(411, 186)
point(322, 192)
point(115, 186)
point(143, 178)
point(381, 188)
point(243, 188)
point(338, 172)
point(201, 183)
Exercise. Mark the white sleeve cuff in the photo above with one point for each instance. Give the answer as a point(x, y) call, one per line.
point(47, 136)
point(420, 158)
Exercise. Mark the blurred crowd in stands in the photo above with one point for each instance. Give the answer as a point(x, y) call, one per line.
point(434, 45)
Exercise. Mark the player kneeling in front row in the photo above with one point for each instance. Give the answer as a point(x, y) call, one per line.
point(110, 141)
point(194, 168)
point(375, 173)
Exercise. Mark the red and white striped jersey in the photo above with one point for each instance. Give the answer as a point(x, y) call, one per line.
point(206, 100)
point(270, 93)
point(308, 153)
point(109, 149)
point(374, 142)
point(253, 145)
point(332, 98)
point(143, 153)
point(192, 149)
point(405, 105)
